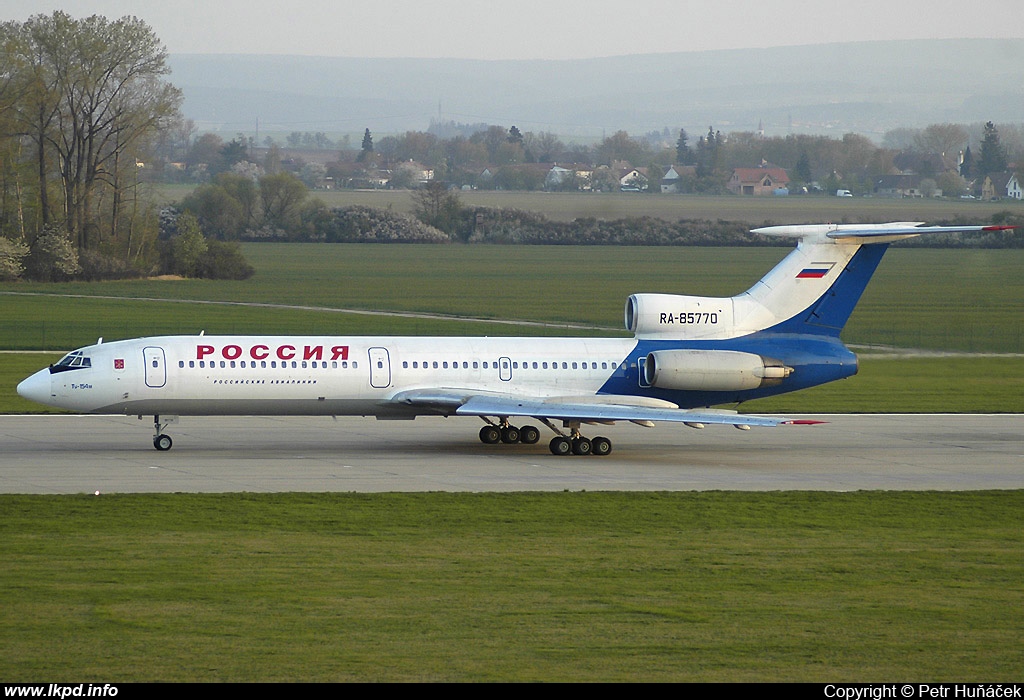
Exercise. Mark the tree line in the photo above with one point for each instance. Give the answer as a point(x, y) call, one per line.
point(88, 120)
point(84, 105)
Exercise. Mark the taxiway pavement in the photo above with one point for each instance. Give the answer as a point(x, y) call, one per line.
point(85, 454)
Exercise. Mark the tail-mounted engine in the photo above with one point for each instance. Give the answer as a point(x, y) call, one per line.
point(679, 317)
point(712, 370)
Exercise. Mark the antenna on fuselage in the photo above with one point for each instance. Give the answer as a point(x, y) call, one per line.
point(202, 333)
point(99, 341)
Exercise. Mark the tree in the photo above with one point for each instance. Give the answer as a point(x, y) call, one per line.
point(188, 247)
point(684, 154)
point(367, 150)
point(545, 146)
point(945, 139)
point(621, 147)
point(967, 166)
point(993, 156)
point(514, 135)
point(435, 205)
point(101, 87)
point(802, 170)
point(233, 152)
point(951, 184)
point(52, 256)
point(282, 196)
point(708, 152)
point(11, 255)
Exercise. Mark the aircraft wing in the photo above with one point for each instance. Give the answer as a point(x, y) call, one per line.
point(603, 412)
point(597, 409)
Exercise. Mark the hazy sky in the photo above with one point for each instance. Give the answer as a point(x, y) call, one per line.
point(512, 29)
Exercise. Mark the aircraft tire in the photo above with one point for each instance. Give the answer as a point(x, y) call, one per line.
point(162, 442)
point(600, 446)
point(581, 446)
point(510, 434)
point(490, 435)
point(560, 446)
point(529, 435)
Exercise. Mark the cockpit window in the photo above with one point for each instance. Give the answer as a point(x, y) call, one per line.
point(75, 360)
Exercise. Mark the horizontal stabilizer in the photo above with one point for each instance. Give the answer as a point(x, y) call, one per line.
point(869, 233)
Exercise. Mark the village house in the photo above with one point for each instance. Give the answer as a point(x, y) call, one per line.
point(632, 179)
point(996, 185)
point(672, 181)
point(1013, 188)
point(758, 181)
point(905, 186)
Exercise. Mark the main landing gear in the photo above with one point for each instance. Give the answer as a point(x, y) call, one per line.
point(509, 434)
point(561, 444)
point(579, 445)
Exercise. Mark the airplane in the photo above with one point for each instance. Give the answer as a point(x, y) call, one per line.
point(688, 354)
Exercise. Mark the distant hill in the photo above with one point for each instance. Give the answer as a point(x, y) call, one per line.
point(867, 88)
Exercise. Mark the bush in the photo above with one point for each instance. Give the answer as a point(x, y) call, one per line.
point(97, 266)
point(223, 260)
point(12, 253)
point(522, 227)
point(52, 257)
point(359, 224)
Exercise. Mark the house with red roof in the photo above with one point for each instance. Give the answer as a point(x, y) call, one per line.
point(758, 181)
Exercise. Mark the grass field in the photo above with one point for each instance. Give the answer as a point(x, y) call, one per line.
point(965, 301)
point(566, 206)
point(866, 587)
point(520, 587)
point(938, 299)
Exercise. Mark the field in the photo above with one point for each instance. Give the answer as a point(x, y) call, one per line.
point(521, 587)
point(936, 300)
point(564, 206)
point(866, 587)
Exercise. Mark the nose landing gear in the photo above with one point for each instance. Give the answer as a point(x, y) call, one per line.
point(162, 441)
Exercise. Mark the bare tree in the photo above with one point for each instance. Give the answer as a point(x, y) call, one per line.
point(93, 95)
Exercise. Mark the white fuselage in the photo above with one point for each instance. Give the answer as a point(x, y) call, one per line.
point(316, 375)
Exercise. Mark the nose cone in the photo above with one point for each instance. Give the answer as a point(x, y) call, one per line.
point(37, 387)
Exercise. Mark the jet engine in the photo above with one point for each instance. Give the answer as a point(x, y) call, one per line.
point(712, 370)
point(678, 316)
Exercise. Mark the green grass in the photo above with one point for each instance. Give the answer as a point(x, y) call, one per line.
point(939, 299)
point(566, 206)
point(476, 587)
point(970, 301)
point(912, 385)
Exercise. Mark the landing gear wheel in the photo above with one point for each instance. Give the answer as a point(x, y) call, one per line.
point(490, 435)
point(510, 434)
point(162, 442)
point(560, 446)
point(600, 446)
point(581, 446)
point(529, 435)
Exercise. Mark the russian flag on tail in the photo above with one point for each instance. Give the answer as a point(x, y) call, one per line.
point(816, 271)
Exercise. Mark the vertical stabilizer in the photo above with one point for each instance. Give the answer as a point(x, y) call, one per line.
point(813, 290)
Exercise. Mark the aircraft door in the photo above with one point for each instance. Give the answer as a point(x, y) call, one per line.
point(505, 369)
point(156, 367)
point(380, 368)
point(641, 364)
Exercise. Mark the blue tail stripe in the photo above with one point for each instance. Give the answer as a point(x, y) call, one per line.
point(829, 313)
